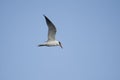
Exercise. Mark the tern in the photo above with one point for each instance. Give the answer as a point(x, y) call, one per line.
point(51, 35)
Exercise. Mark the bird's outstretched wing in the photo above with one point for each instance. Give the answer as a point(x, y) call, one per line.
point(51, 29)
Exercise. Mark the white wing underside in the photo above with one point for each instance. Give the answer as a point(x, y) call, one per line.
point(51, 29)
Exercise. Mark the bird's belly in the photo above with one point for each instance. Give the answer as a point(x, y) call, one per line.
point(51, 44)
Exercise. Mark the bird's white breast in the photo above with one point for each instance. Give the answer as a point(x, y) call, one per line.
point(52, 43)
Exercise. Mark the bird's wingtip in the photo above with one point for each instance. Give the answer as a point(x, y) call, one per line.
point(44, 15)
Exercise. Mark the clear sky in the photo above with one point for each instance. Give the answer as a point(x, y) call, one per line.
point(88, 29)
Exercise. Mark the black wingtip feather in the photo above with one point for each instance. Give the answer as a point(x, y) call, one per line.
point(44, 15)
point(47, 19)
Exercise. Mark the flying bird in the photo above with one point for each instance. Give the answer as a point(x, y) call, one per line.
point(51, 35)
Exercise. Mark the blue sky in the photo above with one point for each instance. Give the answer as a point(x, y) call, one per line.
point(88, 29)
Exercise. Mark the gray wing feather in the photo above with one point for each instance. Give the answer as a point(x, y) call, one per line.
point(51, 29)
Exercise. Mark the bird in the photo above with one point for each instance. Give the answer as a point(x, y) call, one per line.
point(51, 35)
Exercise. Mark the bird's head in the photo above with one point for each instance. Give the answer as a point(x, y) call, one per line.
point(60, 44)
